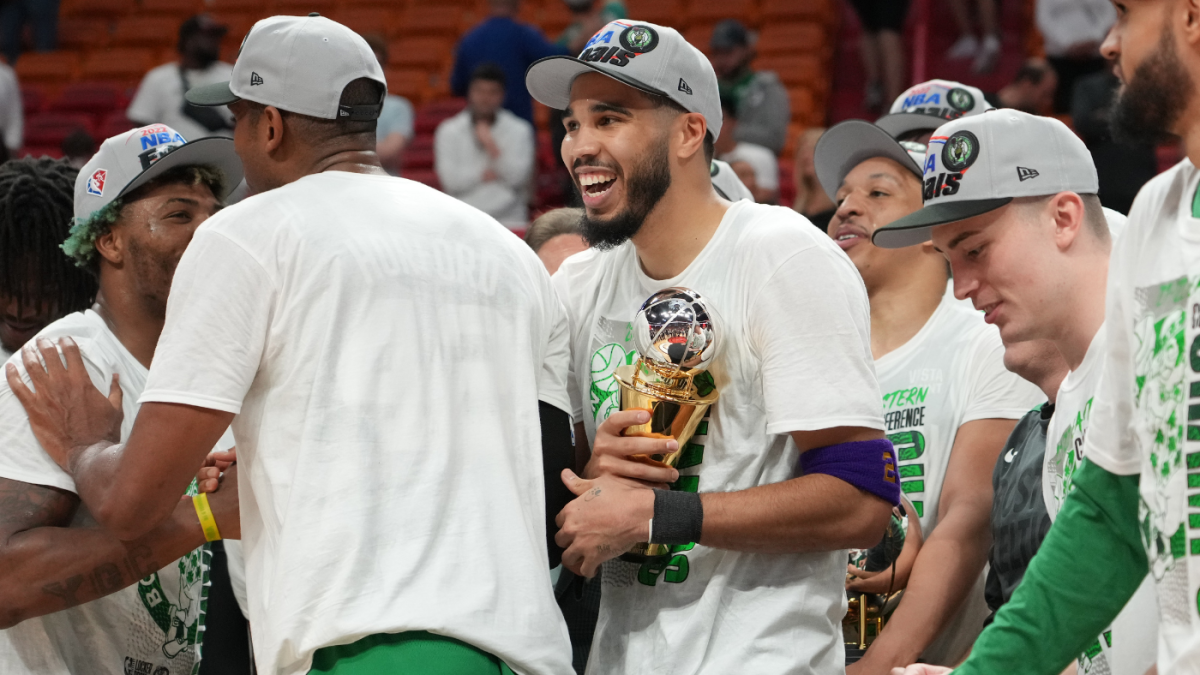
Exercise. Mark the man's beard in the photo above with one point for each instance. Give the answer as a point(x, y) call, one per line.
point(1151, 102)
point(645, 185)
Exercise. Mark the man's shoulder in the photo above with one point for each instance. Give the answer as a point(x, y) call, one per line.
point(778, 230)
point(1163, 193)
point(457, 123)
point(768, 78)
point(162, 73)
point(512, 120)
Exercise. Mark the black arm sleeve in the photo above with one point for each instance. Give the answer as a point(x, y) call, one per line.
point(558, 453)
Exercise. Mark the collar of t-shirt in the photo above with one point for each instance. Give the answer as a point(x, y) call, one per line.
point(917, 340)
point(654, 285)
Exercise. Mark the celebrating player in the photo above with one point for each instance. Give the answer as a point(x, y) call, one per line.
point(949, 404)
point(384, 348)
point(1132, 505)
point(792, 467)
point(1030, 248)
point(67, 591)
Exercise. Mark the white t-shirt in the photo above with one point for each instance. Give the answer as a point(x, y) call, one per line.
point(950, 373)
point(12, 117)
point(1065, 23)
point(1142, 421)
point(384, 347)
point(1129, 645)
point(762, 160)
point(157, 623)
point(159, 98)
point(461, 163)
point(797, 356)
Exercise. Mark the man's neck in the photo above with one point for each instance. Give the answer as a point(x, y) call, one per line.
point(677, 230)
point(127, 317)
point(1080, 318)
point(902, 305)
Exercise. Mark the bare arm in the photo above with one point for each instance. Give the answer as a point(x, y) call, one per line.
point(129, 488)
point(53, 557)
point(810, 513)
point(952, 556)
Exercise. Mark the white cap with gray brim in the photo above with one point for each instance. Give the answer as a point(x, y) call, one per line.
point(299, 64)
point(128, 161)
point(929, 105)
point(850, 143)
point(654, 59)
point(978, 164)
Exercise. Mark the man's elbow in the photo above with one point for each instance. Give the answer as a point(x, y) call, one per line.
point(870, 521)
point(124, 520)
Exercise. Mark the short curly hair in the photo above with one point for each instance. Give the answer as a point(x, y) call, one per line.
point(80, 245)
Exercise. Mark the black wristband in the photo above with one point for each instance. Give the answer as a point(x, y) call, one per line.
point(678, 517)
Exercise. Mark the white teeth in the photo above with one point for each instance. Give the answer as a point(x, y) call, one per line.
point(594, 178)
point(844, 237)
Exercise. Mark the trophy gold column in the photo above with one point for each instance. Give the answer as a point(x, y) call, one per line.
point(676, 340)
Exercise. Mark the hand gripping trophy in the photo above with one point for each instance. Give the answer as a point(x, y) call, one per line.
point(676, 340)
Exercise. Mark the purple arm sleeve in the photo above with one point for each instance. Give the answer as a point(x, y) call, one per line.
point(867, 465)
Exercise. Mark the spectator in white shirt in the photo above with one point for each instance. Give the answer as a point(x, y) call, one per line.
point(760, 159)
point(12, 122)
point(159, 98)
point(395, 124)
point(484, 155)
point(1073, 31)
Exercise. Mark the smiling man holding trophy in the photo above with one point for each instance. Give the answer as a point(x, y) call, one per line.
point(721, 350)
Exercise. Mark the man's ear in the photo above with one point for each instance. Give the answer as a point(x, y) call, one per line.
point(1066, 208)
point(691, 131)
point(1190, 10)
point(111, 247)
point(272, 128)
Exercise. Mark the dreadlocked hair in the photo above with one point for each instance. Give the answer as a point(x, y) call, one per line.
point(36, 202)
point(80, 246)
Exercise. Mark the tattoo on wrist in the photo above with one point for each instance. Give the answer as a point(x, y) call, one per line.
point(66, 590)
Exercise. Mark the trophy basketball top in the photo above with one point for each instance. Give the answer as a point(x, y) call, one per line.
point(675, 336)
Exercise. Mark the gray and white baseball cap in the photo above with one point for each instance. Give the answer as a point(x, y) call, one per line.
point(128, 161)
point(654, 59)
point(978, 164)
point(850, 143)
point(929, 105)
point(300, 64)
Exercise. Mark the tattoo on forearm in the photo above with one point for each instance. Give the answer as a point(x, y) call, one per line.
point(140, 562)
point(107, 578)
point(67, 591)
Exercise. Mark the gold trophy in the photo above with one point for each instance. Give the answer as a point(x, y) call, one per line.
point(676, 340)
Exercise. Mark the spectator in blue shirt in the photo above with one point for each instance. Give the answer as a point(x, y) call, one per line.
point(511, 45)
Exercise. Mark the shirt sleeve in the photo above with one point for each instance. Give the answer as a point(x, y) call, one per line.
point(995, 392)
point(810, 325)
point(218, 315)
point(575, 396)
point(145, 107)
point(553, 381)
point(1110, 441)
point(13, 116)
point(22, 457)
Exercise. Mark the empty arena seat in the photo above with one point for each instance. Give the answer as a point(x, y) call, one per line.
point(554, 19)
point(803, 103)
point(795, 69)
point(88, 97)
point(431, 114)
point(50, 128)
point(662, 12)
point(713, 11)
point(419, 153)
point(303, 7)
point(366, 20)
point(53, 152)
point(175, 8)
point(96, 7)
point(124, 65)
point(699, 35)
point(258, 7)
point(420, 20)
point(420, 52)
point(146, 31)
point(49, 67)
point(409, 83)
point(33, 98)
point(792, 10)
point(114, 123)
point(794, 36)
point(83, 32)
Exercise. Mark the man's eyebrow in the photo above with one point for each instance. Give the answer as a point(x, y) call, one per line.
point(885, 175)
point(185, 200)
point(601, 107)
point(959, 239)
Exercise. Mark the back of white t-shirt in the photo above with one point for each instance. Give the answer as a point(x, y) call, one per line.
point(385, 346)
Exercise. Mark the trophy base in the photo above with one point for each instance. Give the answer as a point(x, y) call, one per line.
point(647, 553)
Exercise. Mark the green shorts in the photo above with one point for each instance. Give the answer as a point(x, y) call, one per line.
point(409, 653)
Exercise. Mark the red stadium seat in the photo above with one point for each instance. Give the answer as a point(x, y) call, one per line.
point(426, 21)
point(146, 31)
point(96, 7)
point(258, 7)
point(555, 18)
point(699, 35)
point(794, 10)
point(367, 20)
point(33, 99)
point(50, 128)
point(175, 8)
point(115, 123)
point(420, 52)
point(419, 153)
point(796, 69)
point(803, 36)
point(126, 65)
point(432, 114)
point(662, 12)
point(411, 84)
point(55, 68)
point(302, 7)
point(713, 11)
point(83, 32)
point(88, 97)
point(51, 151)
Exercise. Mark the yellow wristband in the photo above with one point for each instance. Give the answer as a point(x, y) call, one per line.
point(207, 522)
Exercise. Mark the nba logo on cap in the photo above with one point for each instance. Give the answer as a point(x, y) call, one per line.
point(95, 184)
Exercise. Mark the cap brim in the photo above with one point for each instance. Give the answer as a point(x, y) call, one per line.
point(914, 228)
point(898, 124)
point(214, 94)
point(549, 80)
point(215, 152)
point(849, 144)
